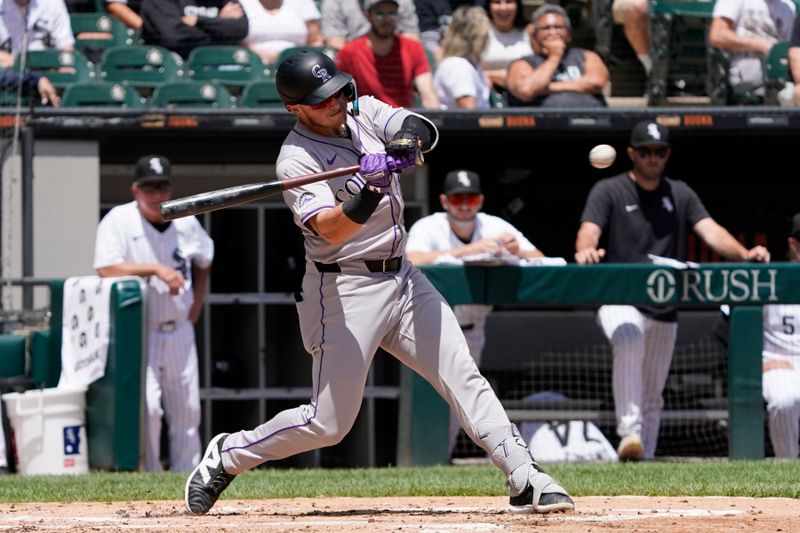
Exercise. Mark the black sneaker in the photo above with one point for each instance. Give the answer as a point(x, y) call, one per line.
point(555, 499)
point(208, 480)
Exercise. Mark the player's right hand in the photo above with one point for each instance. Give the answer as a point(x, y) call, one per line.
point(375, 169)
point(589, 255)
point(171, 277)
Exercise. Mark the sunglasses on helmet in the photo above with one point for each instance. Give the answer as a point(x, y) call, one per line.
point(348, 91)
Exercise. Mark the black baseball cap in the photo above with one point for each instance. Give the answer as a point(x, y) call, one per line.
point(152, 169)
point(649, 133)
point(462, 181)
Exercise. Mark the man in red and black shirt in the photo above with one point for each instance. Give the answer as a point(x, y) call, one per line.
point(386, 65)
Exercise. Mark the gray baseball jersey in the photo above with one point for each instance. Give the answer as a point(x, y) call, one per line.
point(172, 380)
point(346, 316)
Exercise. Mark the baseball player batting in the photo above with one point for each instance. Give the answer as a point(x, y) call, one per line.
point(359, 293)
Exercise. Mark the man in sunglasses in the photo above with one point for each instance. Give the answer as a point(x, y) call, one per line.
point(175, 259)
point(360, 293)
point(640, 213)
point(459, 233)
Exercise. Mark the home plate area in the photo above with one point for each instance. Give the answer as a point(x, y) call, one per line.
point(419, 514)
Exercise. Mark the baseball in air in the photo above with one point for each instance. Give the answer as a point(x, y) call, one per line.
point(602, 156)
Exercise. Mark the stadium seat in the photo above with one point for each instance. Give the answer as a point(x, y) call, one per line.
point(192, 93)
point(498, 98)
point(142, 66)
point(776, 71)
point(233, 66)
point(260, 94)
point(679, 49)
point(102, 94)
point(62, 68)
point(95, 32)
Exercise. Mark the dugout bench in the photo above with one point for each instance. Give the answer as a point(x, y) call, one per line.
point(744, 286)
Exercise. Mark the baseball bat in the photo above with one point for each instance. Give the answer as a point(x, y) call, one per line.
point(205, 202)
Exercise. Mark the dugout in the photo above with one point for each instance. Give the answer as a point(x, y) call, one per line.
point(533, 165)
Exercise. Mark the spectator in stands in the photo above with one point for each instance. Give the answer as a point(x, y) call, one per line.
point(275, 25)
point(556, 74)
point(9, 80)
point(781, 366)
point(790, 95)
point(47, 27)
point(507, 40)
point(459, 79)
point(344, 20)
point(642, 212)
point(434, 17)
point(460, 232)
point(127, 11)
point(634, 15)
point(386, 65)
point(181, 25)
point(746, 30)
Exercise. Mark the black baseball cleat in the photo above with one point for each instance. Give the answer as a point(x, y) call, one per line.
point(208, 480)
point(541, 495)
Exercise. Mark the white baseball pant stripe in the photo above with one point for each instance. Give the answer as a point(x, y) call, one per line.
point(781, 389)
point(642, 349)
point(172, 389)
point(402, 313)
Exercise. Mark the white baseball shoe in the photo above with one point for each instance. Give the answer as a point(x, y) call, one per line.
point(542, 494)
point(208, 480)
point(631, 448)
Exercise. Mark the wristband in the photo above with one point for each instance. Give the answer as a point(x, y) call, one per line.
point(362, 205)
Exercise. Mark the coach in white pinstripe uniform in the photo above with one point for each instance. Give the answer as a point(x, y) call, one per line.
point(462, 231)
point(175, 258)
point(644, 212)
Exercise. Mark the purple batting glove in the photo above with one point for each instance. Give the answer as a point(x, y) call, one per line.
point(375, 169)
point(396, 163)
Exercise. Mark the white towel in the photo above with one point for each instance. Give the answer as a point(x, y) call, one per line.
point(85, 330)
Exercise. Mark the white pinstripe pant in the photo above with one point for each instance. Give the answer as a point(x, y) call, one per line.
point(3, 459)
point(642, 349)
point(782, 393)
point(173, 389)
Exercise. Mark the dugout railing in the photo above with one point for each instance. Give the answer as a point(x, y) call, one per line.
point(743, 286)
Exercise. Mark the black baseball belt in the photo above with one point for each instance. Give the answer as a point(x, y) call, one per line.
point(372, 265)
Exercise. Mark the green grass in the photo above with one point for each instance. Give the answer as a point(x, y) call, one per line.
point(707, 478)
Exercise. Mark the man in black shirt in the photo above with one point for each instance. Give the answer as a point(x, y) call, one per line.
point(643, 212)
point(181, 25)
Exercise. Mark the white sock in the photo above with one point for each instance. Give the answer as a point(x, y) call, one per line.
point(646, 62)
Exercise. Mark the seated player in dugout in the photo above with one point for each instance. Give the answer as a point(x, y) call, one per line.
point(359, 292)
point(458, 232)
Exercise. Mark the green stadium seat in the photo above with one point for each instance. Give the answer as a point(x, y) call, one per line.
point(102, 94)
point(62, 68)
point(260, 94)
point(498, 98)
point(679, 49)
point(95, 32)
point(233, 66)
point(192, 93)
point(776, 71)
point(142, 66)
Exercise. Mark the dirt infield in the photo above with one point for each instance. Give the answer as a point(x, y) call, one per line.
point(423, 515)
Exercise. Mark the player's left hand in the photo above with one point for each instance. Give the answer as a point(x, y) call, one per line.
point(759, 254)
point(404, 148)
